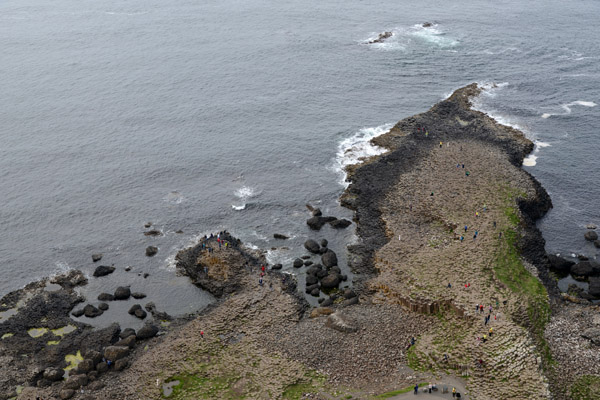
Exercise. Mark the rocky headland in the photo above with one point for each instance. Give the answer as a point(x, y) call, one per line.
point(451, 285)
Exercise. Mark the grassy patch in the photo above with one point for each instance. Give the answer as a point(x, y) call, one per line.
point(387, 395)
point(203, 387)
point(586, 387)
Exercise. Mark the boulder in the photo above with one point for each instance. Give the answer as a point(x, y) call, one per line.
point(102, 367)
point(91, 312)
point(344, 277)
point(583, 268)
point(65, 394)
point(92, 376)
point(317, 212)
point(335, 269)
point(310, 288)
point(138, 295)
point(305, 257)
point(129, 341)
point(559, 264)
point(312, 246)
point(313, 269)
point(591, 236)
point(158, 315)
point(96, 257)
point(330, 281)
point(298, 263)
point(591, 226)
point(381, 38)
point(594, 287)
point(114, 353)
point(349, 302)
point(147, 332)
point(128, 268)
point(597, 244)
point(592, 334)
point(153, 232)
point(315, 292)
point(340, 323)
point(329, 259)
point(121, 364)
point(324, 242)
point(427, 24)
point(126, 333)
point(93, 355)
point(141, 314)
point(340, 223)
point(320, 312)
point(86, 366)
point(147, 224)
point(277, 266)
point(327, 302)
point(316, 223)
point(106, 297)
point(103, 270)
point(77, 313)
point(308, 263)
point(151, 250)
point(349, 293)
point(96, 385)
point(311, 280)
point(54, 374)
point(122, 293)
point(322, 273)
point(134, 308)
point(103, 306)
point(280, 236)
point(76, 381)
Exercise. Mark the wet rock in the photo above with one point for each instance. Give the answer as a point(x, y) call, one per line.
point(298, 263)
point(312, 246)
point(77, 313)
point(323, 250)
point(121, 364)
point(280, 236)
point(560, 264)
point(153, 232)
point(340, 223)
point(158, 315)
point(106, 297)
point(583, 268)
point(147, 224)
point(314, 269)
point(324, 242)
point(594, 287)
point(349, 302)
point(129, 341)
point(327, 302)
point(151, 251)
point(322, 274)
point(330, 281)
point(126, 333)
point(141, 314)
point(315, 292)
point(114, 353)
point(277, 266)
point(349, 293)
point(591, 226)
point(103, 270)
point(147, 332)
point(582, 257)
point(146, 275)
point(308, 263)
point(591, 236)
point(322, 299)
point(340, 323)
point(305, 257)
point(316, 223)
point(134, 308)
point(310, 288)
point(344, 277)
point(179, 231)
point(103, 306)
point(65, 394)
point(329, 259)
point(311, 280)
point(122, 293)
point(592, 334)
point(138, 295)
point(73, 279)
point(96, 257)
point(335, 269)
point(427, 25)
point(54, 374)
point(381, 38)
point(128, 268)
point(91, 312)
point(597, 244)
point(317, 212)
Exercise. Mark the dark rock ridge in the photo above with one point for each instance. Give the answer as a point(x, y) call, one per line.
point(382, 37)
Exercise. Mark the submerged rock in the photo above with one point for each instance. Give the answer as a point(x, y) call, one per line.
point(153, 232)
point(106, 297)
point(316, 223)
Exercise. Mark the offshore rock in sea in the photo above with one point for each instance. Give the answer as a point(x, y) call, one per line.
point(381, 38)
point(591, 236)
point(312, 246)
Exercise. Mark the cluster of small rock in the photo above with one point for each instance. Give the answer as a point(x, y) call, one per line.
point(317, 221)
point(87, 372)
point(121, 293)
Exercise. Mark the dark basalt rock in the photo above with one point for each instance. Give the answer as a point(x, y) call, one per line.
point(129, 341)
point(381, 38)
point(308, 263)
point(103, 270)
point(147, 331)
point(54, 374)
point(311, 280)
point(324, 242)
point(316, 223)
point(277, 266)
point(138, 295)
point(329, 259)
point(280, 236)
point(158, 315)
point(559, 264)
point(153, 232)
point(327, 302)
point(127, 332)
point(147, 224)
point(114, 353)
point(312, 246)
point(103, 306)
point(340, 223)
point(349, 293)
point(141, 314)
point(96, 257)
point(594, 288)
point(134, 308)
point(317, 212)
point(583, 268)
point(122, 293)
point(597, 244)
point(591, 236)
point(91, 312)
point(427, 25)
point(330, 281)
point(315, 292)
point(151, 251)
point(106, 297)
point(77, 313)
point(298, 263)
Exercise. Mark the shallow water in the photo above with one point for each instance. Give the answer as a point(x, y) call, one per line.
point(205, 116)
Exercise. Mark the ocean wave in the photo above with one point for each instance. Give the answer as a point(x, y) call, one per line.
point(567, 107)
point(531, 159)
point(174, 197)
point(404, 37)
point(244, 193)
point(357, 148)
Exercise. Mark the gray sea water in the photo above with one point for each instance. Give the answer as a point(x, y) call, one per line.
point(212, 115)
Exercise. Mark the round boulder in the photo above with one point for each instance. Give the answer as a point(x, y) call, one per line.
point(329, 259)
point(122, 293)
point(91, 312)
point(138, 295)
point(591, 236)
point(106, 297)
point(151, 250)
point(103, 306)
point(134, 308)
point(147, 332)
point(114, 353)
point(315, 292)
point(141, 314)
point(126, 332)
point(311, 280)
point(324, 242)
point(330, 281)
point(312, 246)
point(277, 266)
point(298, 263)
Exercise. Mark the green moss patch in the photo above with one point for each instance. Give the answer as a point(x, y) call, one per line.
point(586, 387)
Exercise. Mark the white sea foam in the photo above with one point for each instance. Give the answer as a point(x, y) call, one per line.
point(404, 37)
point(244, 193)
point(238, 208)
point(568, 108)
point(357, 148)
point(531, 159)
point(174, 197)
point(432, 35)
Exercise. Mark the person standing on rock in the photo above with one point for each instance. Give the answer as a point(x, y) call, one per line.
point(260, 281)
point(453, 392)
point(465, 228)
point(462, 238)
point(417, 388)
